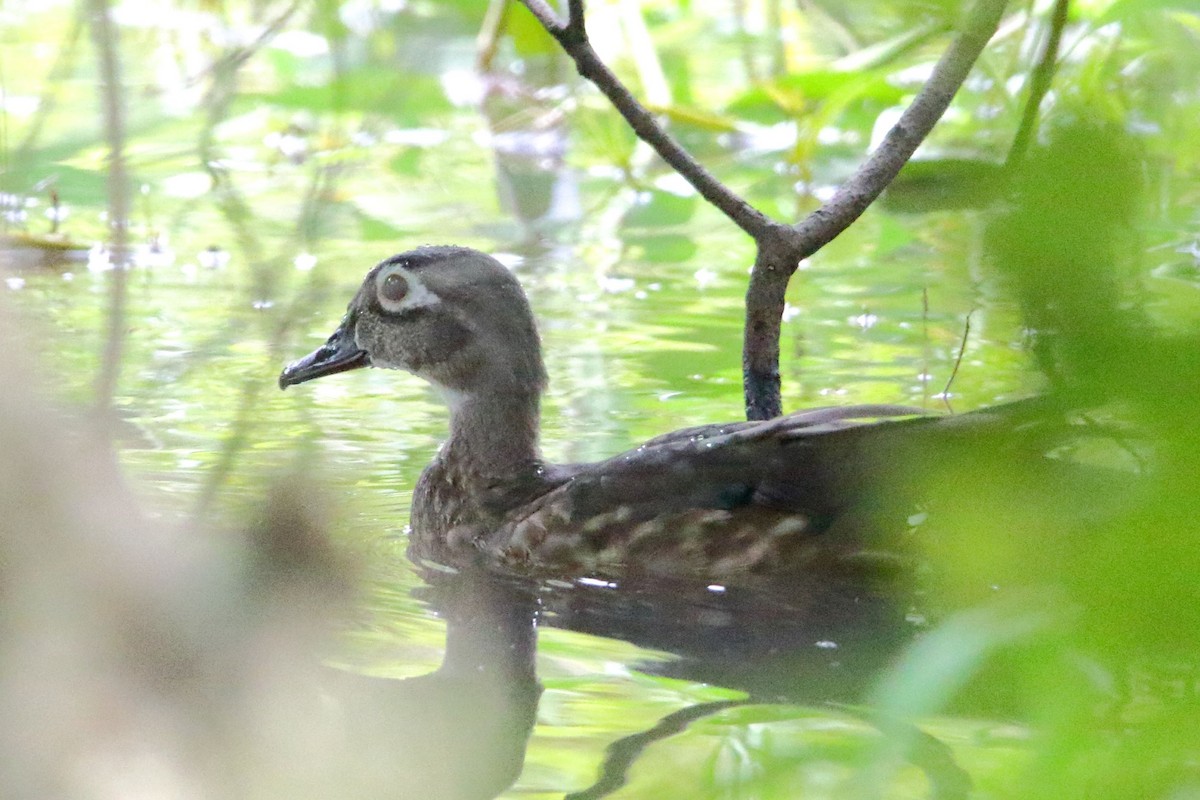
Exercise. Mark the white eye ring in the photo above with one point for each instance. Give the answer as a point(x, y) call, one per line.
point(416, 295)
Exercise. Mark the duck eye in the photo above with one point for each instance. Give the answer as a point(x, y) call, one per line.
point(394, 288)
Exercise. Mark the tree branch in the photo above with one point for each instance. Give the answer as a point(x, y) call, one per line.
point(852, 198)
point(778, 259)
point(575, 22)
point(544, 15)
point(782, 247)
point(572, 36)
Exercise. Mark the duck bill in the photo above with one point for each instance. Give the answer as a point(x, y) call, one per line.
point(339, 354)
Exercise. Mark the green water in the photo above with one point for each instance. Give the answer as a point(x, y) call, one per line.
point(638, 289)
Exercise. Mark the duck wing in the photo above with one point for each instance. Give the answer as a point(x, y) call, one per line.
point(747, 496)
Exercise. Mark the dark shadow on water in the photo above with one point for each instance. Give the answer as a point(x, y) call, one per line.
point(461, 731)
point(823, 638)
point(464, 728)
point(810, 640)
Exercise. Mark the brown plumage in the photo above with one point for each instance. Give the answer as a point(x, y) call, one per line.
point(718, 500)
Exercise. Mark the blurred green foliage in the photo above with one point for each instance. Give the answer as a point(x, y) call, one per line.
point(1066, 599)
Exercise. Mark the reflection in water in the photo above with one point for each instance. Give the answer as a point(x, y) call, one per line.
point(815, 637)
point(461, 731)
point(146, 668)
point(177, 668)
point(815, 640)
point(812, 639)
point(529, 141)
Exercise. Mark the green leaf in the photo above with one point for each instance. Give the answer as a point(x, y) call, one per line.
point(799, 93)
point(663, 248)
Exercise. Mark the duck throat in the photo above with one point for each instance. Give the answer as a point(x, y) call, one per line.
point(493, 436)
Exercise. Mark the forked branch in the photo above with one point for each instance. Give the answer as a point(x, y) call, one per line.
point(572, 36)
point(781, 247)
point(775, 264)
point(873, 176)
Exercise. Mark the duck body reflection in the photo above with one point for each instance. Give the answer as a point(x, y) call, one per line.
point(460, 732)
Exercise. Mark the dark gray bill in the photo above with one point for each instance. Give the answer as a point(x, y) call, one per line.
point(338, 354)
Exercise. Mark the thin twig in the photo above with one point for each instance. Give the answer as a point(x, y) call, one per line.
point(781, 247)
point(107, 44)
point(831, 21)
point(745, 40)
point(1039, 84)
point(962, 349)
point(572, 36)
point(234, 57)
point(546, 16)
point(780, 252)
point(777, 43)
point(897, 147)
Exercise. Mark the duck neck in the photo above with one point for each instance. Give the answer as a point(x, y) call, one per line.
point(493, 435)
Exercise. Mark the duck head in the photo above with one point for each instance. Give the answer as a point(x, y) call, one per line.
point(451, 315)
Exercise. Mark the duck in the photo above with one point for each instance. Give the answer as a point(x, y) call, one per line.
point(714, 501)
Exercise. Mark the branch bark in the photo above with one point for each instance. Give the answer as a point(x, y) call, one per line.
point(572, 36)
point(770, 276)
point(780, 247)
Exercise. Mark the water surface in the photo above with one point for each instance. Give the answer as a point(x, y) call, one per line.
point(255, 223)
